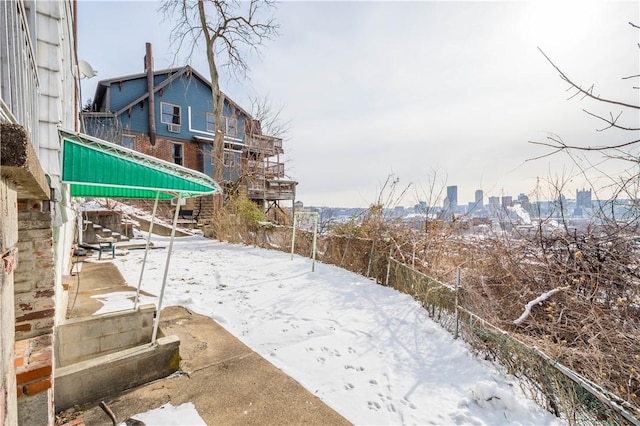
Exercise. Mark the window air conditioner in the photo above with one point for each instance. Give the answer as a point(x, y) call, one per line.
point(174, 201)
point(173, 128)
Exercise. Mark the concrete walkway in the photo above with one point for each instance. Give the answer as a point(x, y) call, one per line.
point(228, 383)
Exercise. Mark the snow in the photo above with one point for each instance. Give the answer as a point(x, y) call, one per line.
point(369, 352)
point(120, 301)
point(168, 415)
point(534, 302)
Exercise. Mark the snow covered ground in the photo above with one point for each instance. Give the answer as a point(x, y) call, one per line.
point(369, 352)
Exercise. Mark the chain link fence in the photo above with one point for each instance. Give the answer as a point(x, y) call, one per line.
point(563, 392)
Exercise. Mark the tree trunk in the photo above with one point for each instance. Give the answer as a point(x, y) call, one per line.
point(218, 108)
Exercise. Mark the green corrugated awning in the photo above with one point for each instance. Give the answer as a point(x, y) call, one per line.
point(96, 168)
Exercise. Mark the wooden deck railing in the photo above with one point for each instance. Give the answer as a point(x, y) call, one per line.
point(271, 190)
point(267, 145)
point(266, 169)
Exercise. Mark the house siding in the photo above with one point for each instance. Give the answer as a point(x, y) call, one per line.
point(122, 93)
point(36, 240)
point(231, 172)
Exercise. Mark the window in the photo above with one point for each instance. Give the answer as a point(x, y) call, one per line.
point(230, 124)
point(229, 159)
point(210, 122)
point(177, 153)
point(128, 141)
point(170, 114)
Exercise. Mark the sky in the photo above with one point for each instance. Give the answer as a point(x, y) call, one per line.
point(433, 93)
point(369, 352)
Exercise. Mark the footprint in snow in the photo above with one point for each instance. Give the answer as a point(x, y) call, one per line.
point(351, 367)
point(373, 405)
point(349, 386)
point(408, 403)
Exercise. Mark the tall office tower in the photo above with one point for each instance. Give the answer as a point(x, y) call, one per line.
point(452, 198)
point(479, 199)
point(494, 201)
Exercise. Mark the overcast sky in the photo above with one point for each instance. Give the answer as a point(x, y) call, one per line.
point(409, 88)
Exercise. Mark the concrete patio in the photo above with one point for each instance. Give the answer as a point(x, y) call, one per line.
point(226, 381)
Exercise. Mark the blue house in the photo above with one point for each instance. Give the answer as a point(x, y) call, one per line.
point(179, 127)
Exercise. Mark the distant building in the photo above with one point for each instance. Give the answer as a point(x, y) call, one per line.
point(583, 198)
point(523, 199)
point(507, 201)
point(494, 202)
point(479, 198)
point(398, 211)
point(451, 202)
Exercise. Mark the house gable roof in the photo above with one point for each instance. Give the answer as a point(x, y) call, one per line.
point(173, 75)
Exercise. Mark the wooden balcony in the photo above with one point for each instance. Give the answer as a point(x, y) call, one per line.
point(266, 145)
point(272, 190)
point(266, 169)
point(19, 83)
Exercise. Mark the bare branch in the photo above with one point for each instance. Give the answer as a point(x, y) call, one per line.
point(560, 145)
point(586, 92)
point(612, 122)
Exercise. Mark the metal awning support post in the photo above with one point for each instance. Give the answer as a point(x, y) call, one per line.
point(293, 236)
point(166, 271)
point(315, 237)
point(146, 251)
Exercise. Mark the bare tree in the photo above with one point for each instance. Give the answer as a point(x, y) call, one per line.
point(270, 117)
point(432, 194)
point(230, 30)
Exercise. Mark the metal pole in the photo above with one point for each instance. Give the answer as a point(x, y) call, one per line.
point(146, 251)
point(315, 234)
point(80, 227)
point(293, 237)
point(166, 271)
point(455, 335)
point(389, 266)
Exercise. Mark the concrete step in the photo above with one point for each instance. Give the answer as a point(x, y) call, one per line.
point(119, 237)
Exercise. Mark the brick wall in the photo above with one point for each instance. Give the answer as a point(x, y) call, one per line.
point(34, 281)
point(34, 365)
point(34, 304)
point(8, 255)
point(163, 150)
